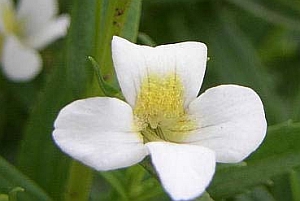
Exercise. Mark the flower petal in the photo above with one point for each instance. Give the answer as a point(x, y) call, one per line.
point(99, 133)
point(50, 32)
point(133, 63)
point(231, 122)
point(184, 170)
point(35, 14)
point(20, 63)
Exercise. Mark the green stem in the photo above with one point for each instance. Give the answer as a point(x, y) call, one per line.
point(12, 195)
point(295, 184)
point(79, 182)
point(147, 165)
point(80, 177)
point(99, 30)
point(105, 57)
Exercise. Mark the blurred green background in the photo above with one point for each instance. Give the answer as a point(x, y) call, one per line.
point(255, 43)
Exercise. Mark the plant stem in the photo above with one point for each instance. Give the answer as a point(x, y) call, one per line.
point(79, 182)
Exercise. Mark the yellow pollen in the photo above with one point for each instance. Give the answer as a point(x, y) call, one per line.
point(159, 110)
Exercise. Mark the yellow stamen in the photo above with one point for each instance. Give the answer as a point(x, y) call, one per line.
point(159, 109)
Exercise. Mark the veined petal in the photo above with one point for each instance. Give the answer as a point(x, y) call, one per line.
point(35, 14)
point(50, 32)
point(20, 63)
point(184, 170)
point(231, 122)
point(134, 63)
point(99, 133)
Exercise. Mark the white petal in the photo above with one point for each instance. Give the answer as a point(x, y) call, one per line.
point(20, 63)
point(36, 13)
point(231, 122)
point(50, 32)
point(184, 170)
point(134, 62)
point(99, 133)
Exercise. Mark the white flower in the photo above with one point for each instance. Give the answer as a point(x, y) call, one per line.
point(23, 31)
point(185, 135)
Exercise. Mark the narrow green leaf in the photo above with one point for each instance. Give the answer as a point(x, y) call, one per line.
point(146, 39)
point(147, 164)
point(142, 186)
point(234, 60)
point(117, 18)
point(39, 157)
point(133, 183)
point(279, 187)
point(115, 182)
point(260, 193)
point(120, 15)
point(13, 181)
point(79, 183)
point(204, 197)
point(104, 32)
point(295, 184)
point(3, 197)
point(131, 20)
point(267, 14)
point(296, 108)
point(107, 89)
point(80, 45)
point(12, 195)
point(279, 154)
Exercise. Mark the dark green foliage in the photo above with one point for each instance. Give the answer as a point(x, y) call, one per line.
point(250, 42)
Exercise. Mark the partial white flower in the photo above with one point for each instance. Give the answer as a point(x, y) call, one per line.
point(185, 135)
point(25, 30)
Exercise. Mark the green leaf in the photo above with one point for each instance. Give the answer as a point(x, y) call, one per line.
point(107, 89)
point(80, 45)
point(265, 13)
point(39, 157)
point(132, 20)
point(133, 183)
point(12, 195)
point(279, 187)
point(257, 194)
point(79, 183)
point(295, 184)
point(116, 18)
point(234, 60)
point(296, 105)
point(279, 154)
point(3, 197)
point(146, 39)
point(13, 181)
point(114, 179)
point(204, 197)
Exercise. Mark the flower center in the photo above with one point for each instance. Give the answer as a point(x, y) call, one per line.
point(159, 110)
point(10, 22)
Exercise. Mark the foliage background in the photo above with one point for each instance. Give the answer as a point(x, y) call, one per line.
point(255, 43)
